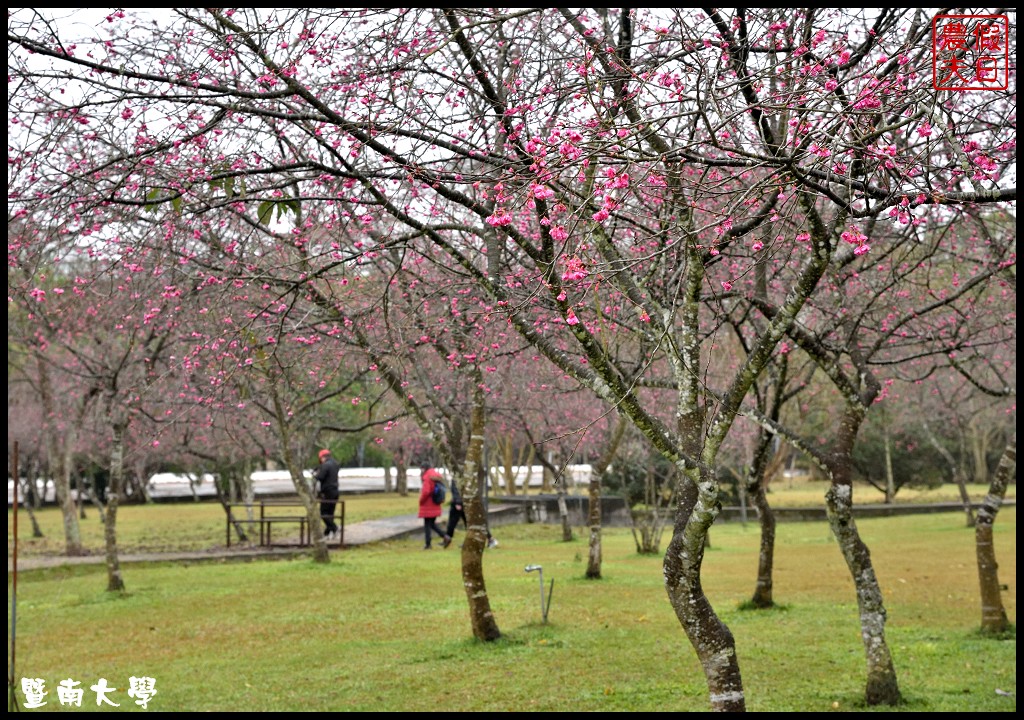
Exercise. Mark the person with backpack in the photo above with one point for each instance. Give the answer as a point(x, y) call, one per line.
point(327, 481)
point(431, 498)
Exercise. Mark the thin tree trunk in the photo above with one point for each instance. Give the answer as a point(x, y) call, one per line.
point(248, 496)
point(756, 487)
point(141, 481)
point(485, 627)
point(993, 613)
point(115, 582)
point(68, 509)
point(563, 509)
point(554, 479)
point(80, 499)
point(94, 498)
point(37, 532)
point(597, 471)
point(547, 482)
point(881, 687)
point(530, 453)
point(979, 441)
point(890, 481)
point(954, 468)
point(224, 498)
point(401, 474)
point(59, 456)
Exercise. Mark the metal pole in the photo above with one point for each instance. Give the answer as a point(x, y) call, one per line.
point(12, 700)
point(551, 593)
point(540, 574)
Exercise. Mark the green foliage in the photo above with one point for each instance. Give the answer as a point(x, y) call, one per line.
point(265, 210)
point(915, 463)
point(643, 480)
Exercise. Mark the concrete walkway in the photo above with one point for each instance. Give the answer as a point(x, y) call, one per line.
point(399, 527)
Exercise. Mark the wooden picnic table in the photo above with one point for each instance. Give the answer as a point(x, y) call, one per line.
point(270, 515)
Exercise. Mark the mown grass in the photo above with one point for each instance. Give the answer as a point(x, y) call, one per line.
point(385, 627)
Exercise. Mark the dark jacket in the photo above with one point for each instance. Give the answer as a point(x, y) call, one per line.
point(456, 495)
point(327, 478)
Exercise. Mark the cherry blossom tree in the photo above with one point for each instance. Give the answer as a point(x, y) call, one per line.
point(910, 306)
point(113, 335)
point(588, 173)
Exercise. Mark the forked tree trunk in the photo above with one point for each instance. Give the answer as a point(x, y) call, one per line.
point(481, 618)
point(115, 582)
point(993, 613)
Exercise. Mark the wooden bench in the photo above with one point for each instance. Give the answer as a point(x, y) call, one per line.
point(270, 515)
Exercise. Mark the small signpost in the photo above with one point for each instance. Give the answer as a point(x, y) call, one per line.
point(543, 607)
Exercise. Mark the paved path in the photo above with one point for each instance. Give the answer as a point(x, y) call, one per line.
point(370, 531)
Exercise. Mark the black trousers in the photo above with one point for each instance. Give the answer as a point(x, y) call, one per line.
point(429, 526)
point(454, 516)
point(327, 505)
point(453, 520)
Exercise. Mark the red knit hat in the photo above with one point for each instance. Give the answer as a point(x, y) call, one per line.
point(324, 453)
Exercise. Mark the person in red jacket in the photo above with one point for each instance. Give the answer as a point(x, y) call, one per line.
point(430, 511)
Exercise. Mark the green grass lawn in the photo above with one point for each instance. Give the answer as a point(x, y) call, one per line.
point(385, 627)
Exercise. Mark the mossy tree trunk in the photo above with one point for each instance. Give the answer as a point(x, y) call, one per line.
point(757, 490)
point(115, 582)
point(481, 617)
point(881, 686)
point(993, 613)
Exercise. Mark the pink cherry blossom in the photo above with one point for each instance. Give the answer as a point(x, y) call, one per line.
point(574, 270)
point(500, 217)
